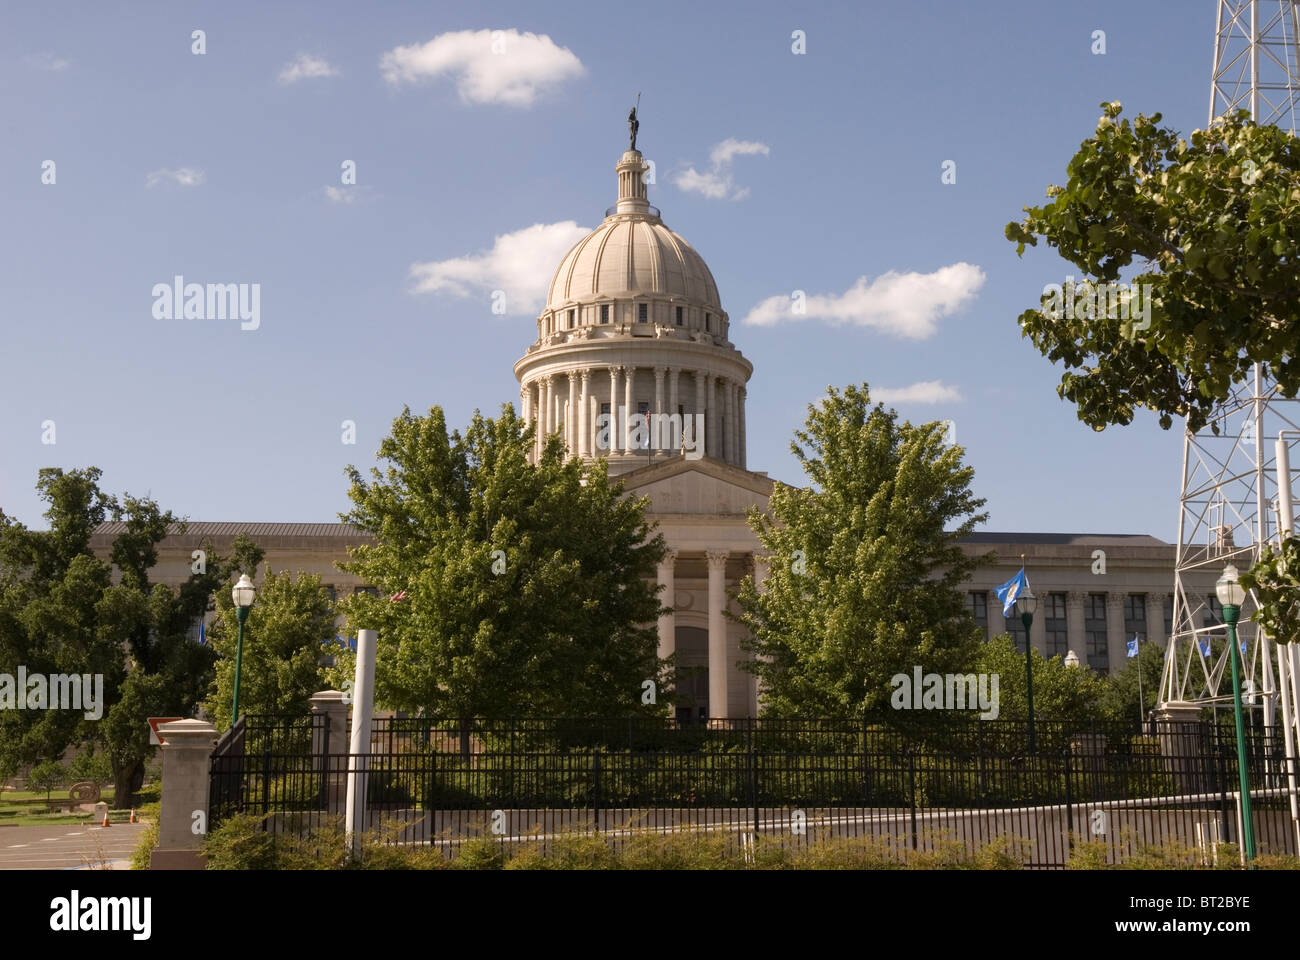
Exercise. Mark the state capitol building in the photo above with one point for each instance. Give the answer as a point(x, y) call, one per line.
point(634, 325)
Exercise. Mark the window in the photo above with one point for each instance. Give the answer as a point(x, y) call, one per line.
point(707, 319)
point(978, 601)
point(642, 311)
point(679, 316)
point(373, 591)
point(1094, 629)
point(1135, 617)
point(1212, 612)
point(604, 313)
point(1058, 633)
point(1169, 616)
point(1016, 627)
point(331, 592)
point(572, 315)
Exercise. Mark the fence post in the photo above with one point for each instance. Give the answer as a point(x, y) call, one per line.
point(186, 758)
point(911, 790)
point(753, 775)
point(1069, 801)
point(330, 739)
point(359, 743)
point(595, 783)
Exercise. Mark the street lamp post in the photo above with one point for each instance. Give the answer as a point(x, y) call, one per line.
point(1231, 594)
point(1026, 604)
point(242, 594)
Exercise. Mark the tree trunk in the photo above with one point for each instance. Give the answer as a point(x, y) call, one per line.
point(126, 781)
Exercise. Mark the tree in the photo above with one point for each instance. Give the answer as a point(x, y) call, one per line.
point(62, 612)
point(1215, 221)
point(1122, 687)
point(864, 578)
point(526, 588)
point(1274, 578)
point(1060, 692)
point(47, 775)
point(287, 633)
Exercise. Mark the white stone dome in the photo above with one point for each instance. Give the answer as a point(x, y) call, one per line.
point(633, 255)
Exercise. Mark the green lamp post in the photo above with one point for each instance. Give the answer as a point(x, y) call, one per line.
point(1231, 594)
point(1026, 604)
point(243, 595)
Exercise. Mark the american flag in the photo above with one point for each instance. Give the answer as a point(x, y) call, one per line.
point(398, 597)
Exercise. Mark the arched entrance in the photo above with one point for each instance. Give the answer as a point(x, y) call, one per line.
point(692, 674)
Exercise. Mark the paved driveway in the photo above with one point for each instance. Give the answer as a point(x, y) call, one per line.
point(61, 847)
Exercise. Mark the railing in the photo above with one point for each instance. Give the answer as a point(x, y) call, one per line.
point(438, 781)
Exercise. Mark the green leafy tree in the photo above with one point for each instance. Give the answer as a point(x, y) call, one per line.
point(1277, 590)
point(290, 628)
point(1061, 692)
point(1122, 687)
point(61, 611)
point(1213, 220)
point(864, 577)
point(47, 775)
point(528, 587)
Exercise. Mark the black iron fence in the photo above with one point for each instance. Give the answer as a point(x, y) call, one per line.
point(432, 781)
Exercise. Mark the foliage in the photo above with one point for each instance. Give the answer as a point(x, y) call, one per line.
point(149, 815)
point(92, 766)
point(1060, 692)
point(1121, 687)
point(864, 578)
point(290, 627)
point(1275, 578)
point(1214, 220)
point(563, 626)
point(47, 775)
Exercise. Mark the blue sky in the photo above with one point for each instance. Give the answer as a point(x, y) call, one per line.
point(226, 167)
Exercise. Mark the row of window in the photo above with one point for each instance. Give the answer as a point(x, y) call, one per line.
point(642, 316)
point(1096, 639)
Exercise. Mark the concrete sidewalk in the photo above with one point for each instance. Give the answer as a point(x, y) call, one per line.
point(63, 847)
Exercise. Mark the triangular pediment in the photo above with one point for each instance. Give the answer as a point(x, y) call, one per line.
point(703, 486)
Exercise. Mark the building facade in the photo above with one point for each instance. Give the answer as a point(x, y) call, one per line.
point(633, 362)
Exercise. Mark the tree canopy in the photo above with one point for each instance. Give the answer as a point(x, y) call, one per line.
point(865, 568)
point(1212, 223)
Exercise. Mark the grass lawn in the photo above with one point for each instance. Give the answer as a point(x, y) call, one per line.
point(26, 808)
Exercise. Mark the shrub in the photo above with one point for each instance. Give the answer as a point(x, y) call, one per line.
point(149, 813)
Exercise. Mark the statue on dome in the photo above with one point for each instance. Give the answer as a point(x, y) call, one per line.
point(633, 124)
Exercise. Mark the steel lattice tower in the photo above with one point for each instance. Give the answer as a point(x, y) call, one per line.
point(1229, 479)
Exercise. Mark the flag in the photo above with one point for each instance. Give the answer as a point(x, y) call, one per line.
point(398, 597)
point(352, 643)
point(1205, 648)
point(1243, 648)
point(1010, 590)
point(1133, 648)
point(203, 637)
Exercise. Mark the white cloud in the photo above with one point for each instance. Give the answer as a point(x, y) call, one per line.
point(490, 66)
point(717, 182)
point(903, 304)
point(184, 176)
point(346, 195)
point(48, 61)
point(306, 67)
point(925, 391)
point(520, 263)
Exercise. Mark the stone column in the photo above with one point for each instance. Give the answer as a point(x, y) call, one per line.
point(629, 377)
point(613, 410)
point(571, 416)
point(1074, 633)
point(997, 622)
point(718, 669)
point(1115, 639)
point(656, 440)
point(740, 402)
point(729, 433)
point(543, 405)
point(584, 425)
point(711, 420)
point(673, 400)
point(1038, 629)
point(1156, 619)
point(699, 407)
point(187, 753)
point(667, 598)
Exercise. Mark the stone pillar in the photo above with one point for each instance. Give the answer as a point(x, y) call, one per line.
point(1074, 632)
point(997, 622)
point(718, 667)
point(1038, 628)
point(667, 598)
point(740, 403)
point(729, 432)
point(329, 744)
point(187, 754)
point(1156, 619)
point(711, 420)
point(548, 407)
point(673, 400)
point(629, 409)
point(656, 441)
point(699, 407)
point(1184, 744)
point(571, 416)
point(1115, 639)
point(584, 408)
point(613, 410)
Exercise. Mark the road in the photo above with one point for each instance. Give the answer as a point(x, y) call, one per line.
point(67, 846)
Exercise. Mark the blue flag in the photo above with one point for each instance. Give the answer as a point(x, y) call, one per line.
point(1133, 648)
point(1205, 648)
point(1010, 590)
point(203, 637)
point(1243, 648)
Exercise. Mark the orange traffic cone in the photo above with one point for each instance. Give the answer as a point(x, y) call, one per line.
point(132, 820)
point(105, 823)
